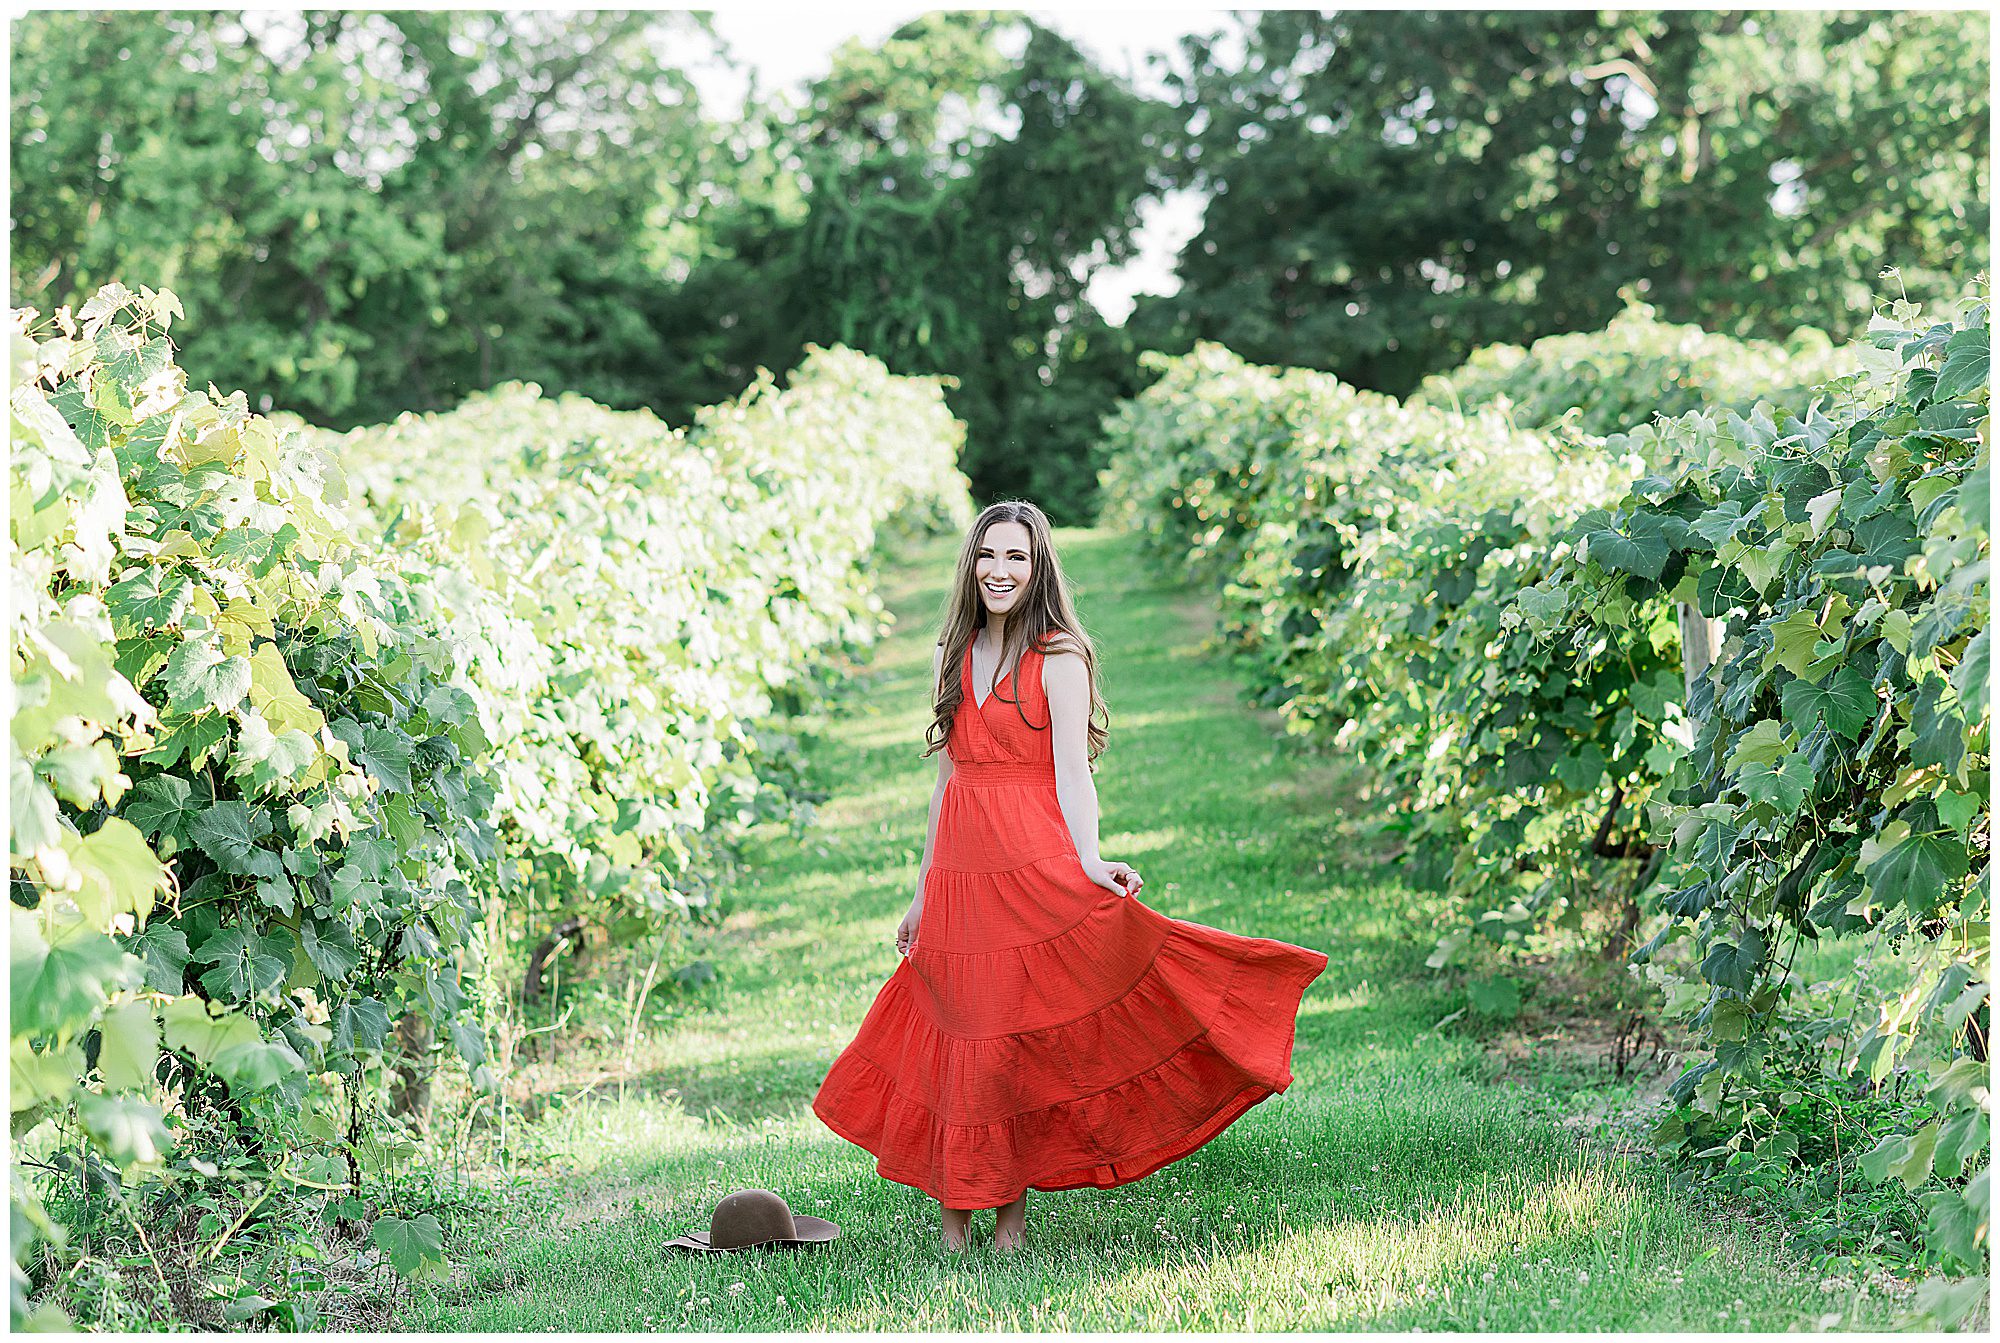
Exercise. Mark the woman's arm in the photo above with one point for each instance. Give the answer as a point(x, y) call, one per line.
point(1066, 682)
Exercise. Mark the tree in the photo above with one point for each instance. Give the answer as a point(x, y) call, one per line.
point(1391, 190)
point(957, 202)
point(367, 212)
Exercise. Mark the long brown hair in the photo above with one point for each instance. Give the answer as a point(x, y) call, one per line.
point(1046, 610)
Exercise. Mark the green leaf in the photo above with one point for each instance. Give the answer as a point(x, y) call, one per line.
point(193, 737)
point(1944, 1303)
point(247, 965)
point(386, 755)
point(1961, 1139)
point(360, 1026)
point(79, 773)
point(415, 1246)
point(36, 815)
point(198, 676)
point(57, 988)
point(128, 1130)
point(159, 805)
point(230, 1043)
point(148, 595)
point(128, 1046)
point(1764, 743)
point(1729, 1019)
point(468, 1039)
point(164, 950)
point(1913, 1165)
point(1965, 1084)
point(278, 895)
point(1968, 360)
point(269, 761)
point(1968, 678)
point(40, 1076)
point(370, 858)
point(1722, 522)
point(329, 945)
point(1733, 965)
point(140, 656)
point(1915, 872)
point(1643, 551)
point(204, 1029)
point(1583, 769)
point(1888, 1154)
point(1495, 997)
point(1762, 564)
point(1845, 702)
point(1783, 787)
point(119, 870)
point(223, 831)
point(1940, 731)
point(1792, 641)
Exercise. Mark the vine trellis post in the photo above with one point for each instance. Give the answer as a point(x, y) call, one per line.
point(1701, 643)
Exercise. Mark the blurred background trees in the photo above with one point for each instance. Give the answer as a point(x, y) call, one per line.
point(379, 212)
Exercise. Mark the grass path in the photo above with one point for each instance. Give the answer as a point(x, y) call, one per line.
point(1393, 1186)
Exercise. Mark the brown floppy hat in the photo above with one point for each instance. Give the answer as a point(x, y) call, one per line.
point(750, 1217)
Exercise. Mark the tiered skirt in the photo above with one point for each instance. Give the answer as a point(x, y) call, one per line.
point(1046, 1033)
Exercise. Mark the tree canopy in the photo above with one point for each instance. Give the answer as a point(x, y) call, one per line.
point(367, 213)
point(1389, 189)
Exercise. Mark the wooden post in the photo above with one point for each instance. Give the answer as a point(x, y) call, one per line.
point(1701, 643)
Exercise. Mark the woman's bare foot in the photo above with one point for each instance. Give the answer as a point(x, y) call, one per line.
point(953, 1225)
point(1010, 1228)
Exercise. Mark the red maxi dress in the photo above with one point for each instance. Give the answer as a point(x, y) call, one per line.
point(1044, 1032)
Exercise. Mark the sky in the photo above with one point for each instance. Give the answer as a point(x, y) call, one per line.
point(788, 45)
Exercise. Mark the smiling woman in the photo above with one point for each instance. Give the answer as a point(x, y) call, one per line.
point(1046, 1029)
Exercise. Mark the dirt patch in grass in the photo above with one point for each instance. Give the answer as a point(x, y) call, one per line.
point(1614, 1071)
point(615, 1203)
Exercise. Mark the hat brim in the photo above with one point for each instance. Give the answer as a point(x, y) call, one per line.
point(812, 1231)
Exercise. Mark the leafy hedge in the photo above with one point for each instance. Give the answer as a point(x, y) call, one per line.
point(1637, 369)
point(273, 761)
point(1836, 785)
point(633, 599)
point(244, 797)
point(1491, 618)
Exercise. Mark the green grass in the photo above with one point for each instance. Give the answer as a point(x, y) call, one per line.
point(1393, 1186)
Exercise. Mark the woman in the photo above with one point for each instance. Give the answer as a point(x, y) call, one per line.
point(1045, 1029)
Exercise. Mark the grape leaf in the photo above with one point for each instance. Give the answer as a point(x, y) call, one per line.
point(128, 1130)
point(329, 945)
point(159, 805)
point(57, 987)
point(415, 1246)
point(1915, 872)
point(119, 871)
point(223, 831)
point(128, 1046)
point(148, 595)
point(247, 965)
point(198, 676)
point(1845, 702)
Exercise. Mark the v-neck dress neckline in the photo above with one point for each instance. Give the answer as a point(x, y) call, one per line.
point(972, 687)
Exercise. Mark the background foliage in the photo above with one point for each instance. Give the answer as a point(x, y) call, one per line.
point(1390, 190)
point(289, 780)
point(1488, 617)
point(368, 213)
